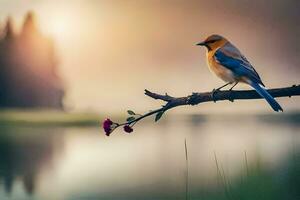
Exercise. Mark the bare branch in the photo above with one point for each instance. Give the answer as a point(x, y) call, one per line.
point(197, 98)
point(165, 97)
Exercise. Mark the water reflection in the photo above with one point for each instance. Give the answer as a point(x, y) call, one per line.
point(24, 152)
point(81, 163)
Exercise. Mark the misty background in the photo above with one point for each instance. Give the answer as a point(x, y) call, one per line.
point(95, 58)
point(110, 51)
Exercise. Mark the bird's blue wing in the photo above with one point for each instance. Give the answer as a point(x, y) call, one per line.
point(240, 67)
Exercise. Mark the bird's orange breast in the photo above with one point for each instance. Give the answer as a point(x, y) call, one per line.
point(221, 72)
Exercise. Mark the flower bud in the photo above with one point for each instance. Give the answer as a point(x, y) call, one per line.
point(128, 129)
point(107, 126)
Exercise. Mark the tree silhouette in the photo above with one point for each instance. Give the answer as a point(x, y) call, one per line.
point(28, 64)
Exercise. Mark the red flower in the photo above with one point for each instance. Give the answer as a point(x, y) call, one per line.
point(107, 126)
point(128, 129)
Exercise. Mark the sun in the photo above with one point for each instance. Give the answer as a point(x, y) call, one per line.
point(59, 26)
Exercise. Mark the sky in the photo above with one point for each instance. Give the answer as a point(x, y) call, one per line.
point(111, 50)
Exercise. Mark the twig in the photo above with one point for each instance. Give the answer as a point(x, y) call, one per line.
point(197, 98)
point(187, 171)
point(246, 163)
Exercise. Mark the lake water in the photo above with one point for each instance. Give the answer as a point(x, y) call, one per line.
point(40, 162)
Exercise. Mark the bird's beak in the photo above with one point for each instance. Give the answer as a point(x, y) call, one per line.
point(201, 44)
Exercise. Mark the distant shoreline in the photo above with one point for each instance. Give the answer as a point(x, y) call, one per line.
point(60, 118)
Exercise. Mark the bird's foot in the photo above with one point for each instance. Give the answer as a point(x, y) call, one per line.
point(230, 98)
point(213, 93)
point(192, 99)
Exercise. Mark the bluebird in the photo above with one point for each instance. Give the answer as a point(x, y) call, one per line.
point(229, 64)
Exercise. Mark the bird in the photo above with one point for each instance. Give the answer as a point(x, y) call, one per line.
point(230, 65)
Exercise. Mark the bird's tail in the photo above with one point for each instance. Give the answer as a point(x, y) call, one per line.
point(265, 94)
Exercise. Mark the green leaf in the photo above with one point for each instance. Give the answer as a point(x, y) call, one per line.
point(130, 119)
point(158, 116)
point(130, 112)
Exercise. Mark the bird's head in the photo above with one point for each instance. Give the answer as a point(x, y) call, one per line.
point(213, 42)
